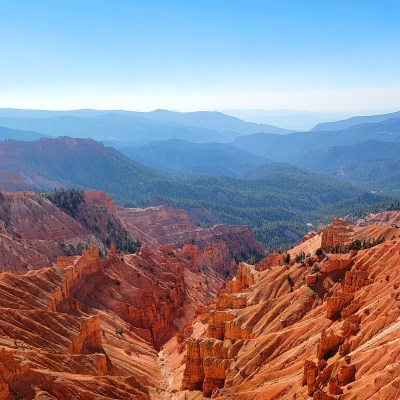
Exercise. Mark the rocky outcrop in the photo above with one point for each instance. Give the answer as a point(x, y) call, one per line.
point(209, 358)
point(272, 260)
point(244, 279)
point(209, 258)
point(99, 198)
point(93, 317)
point(74, 271)
point(337, 234)
point(231, 300)
point(4, 389)
point(328, 344)
point(217, 322)
point(207, 362)
point(338, 262)
point(343, 301)
point(85, 327)
point(336, 303)
point(89, 338)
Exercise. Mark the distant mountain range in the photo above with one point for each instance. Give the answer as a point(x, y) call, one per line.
point(255, 179)
point(347, 123)
point(124, 127)
point(367, 154)
point(85, 163)
point(18, 134)
point(195, 159)
point(291, 146)
point(289, 119)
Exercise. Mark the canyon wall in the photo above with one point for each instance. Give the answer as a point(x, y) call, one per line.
point(156, 226)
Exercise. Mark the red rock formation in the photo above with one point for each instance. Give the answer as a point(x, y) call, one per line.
point(328, 344)
point(95, 317)
point(244, 279)
point(99, 198)
point(156, 226)
point(272, 260)
point(294, 348)
point(338, 262)
point(88, 328)
point(206, 365)
point(33, 232)
point(337, 234)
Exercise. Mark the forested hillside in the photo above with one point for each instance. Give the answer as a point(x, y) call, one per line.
point(277, 200)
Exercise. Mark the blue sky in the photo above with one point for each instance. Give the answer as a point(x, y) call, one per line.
point(317, 55)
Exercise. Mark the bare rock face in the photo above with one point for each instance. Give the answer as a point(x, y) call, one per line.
point(209, 358)
point(328, 344)
point(89, 338)
point(4, 389)
point(216, 324)
point(194, 371)
point(338, 262)
point(206, 365)
point(271, 260)
point(337, 234)
point(244, 279)
point(210, 257)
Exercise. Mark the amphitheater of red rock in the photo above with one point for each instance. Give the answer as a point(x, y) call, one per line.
point(164, 324)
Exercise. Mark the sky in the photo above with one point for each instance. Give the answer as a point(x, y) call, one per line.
point(314, 55)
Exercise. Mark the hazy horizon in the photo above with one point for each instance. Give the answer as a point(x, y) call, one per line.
point(314, 56)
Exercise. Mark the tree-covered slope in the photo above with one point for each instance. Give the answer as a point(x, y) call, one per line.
point(277, 201)
point(373, 165)
point(186, 158)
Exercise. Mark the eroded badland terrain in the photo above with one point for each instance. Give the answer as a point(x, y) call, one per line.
point(158, 308)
